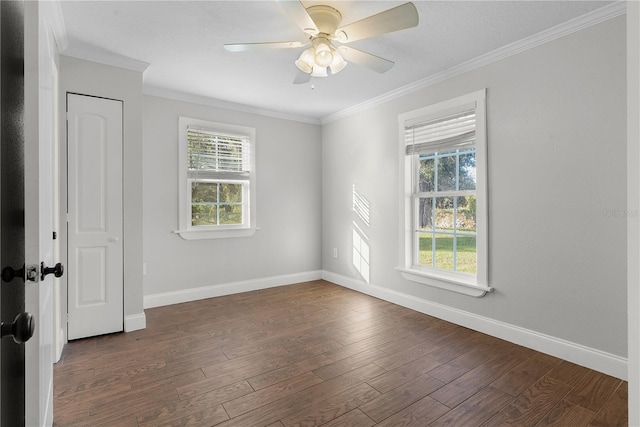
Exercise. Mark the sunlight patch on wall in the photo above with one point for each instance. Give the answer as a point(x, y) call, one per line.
point(360, 206)
point(360, 244)
point(361, 252)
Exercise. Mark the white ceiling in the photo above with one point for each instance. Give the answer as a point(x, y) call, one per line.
point(182, 41)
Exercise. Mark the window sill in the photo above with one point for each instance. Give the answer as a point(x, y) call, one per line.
point(216, 234)
point(456, 284)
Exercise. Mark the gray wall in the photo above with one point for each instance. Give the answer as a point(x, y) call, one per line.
point(288, 178)
point(557, 181)
point(90, 78)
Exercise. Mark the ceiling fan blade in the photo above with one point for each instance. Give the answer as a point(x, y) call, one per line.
point(241, 47)
point(301, 78)
point(296, 10)
point(395, 19)
point(365, 59)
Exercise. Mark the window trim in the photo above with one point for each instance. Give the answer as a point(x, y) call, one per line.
point(474, 285)
point(185, 229)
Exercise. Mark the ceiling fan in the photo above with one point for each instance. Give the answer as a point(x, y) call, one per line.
point(322, 25)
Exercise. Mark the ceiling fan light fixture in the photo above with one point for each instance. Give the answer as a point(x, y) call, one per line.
point(319, 71)
point(324, 56)
point(306, 61)
point(338, 63)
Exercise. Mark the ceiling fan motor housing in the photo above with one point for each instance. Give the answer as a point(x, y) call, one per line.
point(326, 18)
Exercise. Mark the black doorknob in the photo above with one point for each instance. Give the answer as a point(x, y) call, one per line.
point(21, 329)
point(9, 273)
point(57, 270)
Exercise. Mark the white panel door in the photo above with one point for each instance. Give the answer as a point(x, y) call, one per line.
point(40, 130)
point(95, 233)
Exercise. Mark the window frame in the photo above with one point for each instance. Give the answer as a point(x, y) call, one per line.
point(186, 229)
point(469, 284)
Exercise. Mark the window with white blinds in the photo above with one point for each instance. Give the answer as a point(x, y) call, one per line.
point(449, 133)
point(217, 173)
point(217, 155)
point(444, 198)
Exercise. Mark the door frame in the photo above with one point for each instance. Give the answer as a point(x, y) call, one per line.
point(12, 355)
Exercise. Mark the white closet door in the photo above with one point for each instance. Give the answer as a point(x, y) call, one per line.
point(95, 229)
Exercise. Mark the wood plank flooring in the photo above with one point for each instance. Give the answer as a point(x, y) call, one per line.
point(316, 354)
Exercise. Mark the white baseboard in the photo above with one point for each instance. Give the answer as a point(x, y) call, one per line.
point(135, 322)
point(591, 358)
point(193, 294)
point(60, 341)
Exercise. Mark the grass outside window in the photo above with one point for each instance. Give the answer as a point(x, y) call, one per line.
point(444, 255)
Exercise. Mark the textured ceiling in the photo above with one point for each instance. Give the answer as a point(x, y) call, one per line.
point(182, 41)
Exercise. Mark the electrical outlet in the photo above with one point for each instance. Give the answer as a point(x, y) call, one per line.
point(335, 252)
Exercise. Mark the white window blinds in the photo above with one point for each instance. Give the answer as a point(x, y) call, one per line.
point(443, 134)
point(216, 155)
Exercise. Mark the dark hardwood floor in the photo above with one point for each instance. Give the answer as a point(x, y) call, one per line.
point(317, 354)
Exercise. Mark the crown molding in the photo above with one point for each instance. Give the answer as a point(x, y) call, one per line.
point(212, 102)
point(84, 51)
point(57, 24)
point(91, 53)
point(576, 24)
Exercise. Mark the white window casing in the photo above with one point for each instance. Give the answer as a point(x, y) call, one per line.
point(225, 155)
point(455, 124)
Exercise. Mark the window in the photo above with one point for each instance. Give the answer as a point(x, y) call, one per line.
point(443, 161)
point(217, 171)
